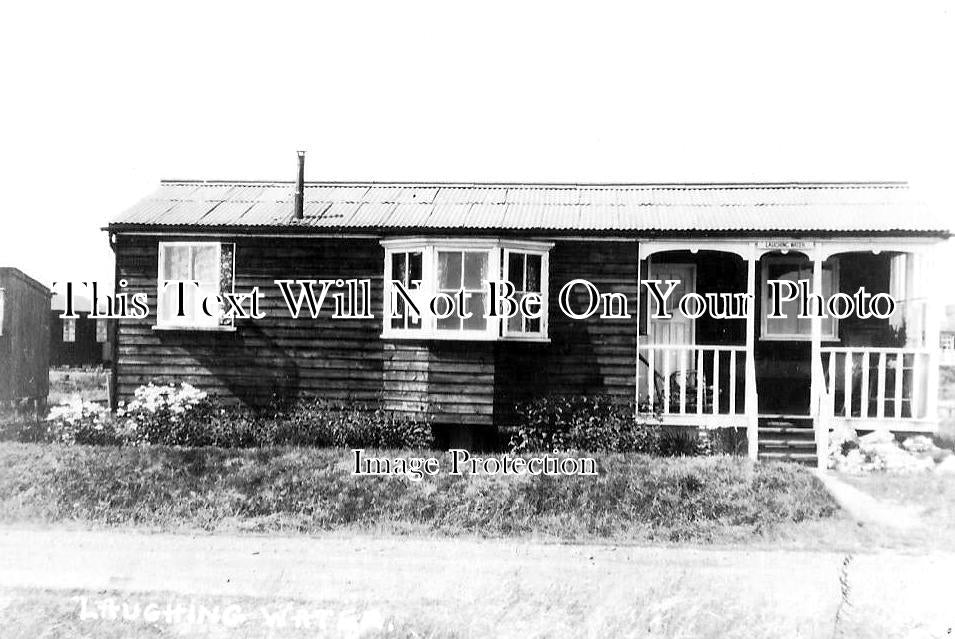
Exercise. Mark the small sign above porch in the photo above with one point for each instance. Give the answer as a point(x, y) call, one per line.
point(785, 245)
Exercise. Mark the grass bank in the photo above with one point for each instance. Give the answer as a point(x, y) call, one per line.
point(634, 497)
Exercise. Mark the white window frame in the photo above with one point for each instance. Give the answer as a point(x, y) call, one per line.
point(764, 334)
point(544, 254)
point(429, 249)
point(205, 323)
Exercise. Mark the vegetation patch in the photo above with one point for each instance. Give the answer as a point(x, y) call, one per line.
point(634, 497)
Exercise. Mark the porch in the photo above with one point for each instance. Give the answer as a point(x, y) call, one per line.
point(790, 380)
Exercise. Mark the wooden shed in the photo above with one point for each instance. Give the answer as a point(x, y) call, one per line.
point(24, 339)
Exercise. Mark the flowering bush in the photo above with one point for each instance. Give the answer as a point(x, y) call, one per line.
point(172, 415)
point(81, 422)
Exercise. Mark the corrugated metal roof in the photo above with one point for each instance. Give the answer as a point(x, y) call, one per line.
point(837, 207)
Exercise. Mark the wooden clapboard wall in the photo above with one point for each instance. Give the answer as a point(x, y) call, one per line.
point(452, 382)
point(24, 338)
point(279, 355)
point(584, 356)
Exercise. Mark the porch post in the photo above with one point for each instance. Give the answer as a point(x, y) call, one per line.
point(930, 292)
point(817, 379)
point(752, 399)
point(636, 381)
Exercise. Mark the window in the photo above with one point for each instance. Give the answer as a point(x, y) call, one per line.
point(455, 271)
point(1, 310)
point(69, 330)
point(406, 268)
point(791, 327)
point(101, 334)
point(210, 264)
point(463, 275)
point(526, 272)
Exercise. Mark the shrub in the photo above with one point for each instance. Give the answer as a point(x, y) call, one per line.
point(682, 443)
point(318, 422)
point(184, 416)
point(593, 423)
point(81, 422)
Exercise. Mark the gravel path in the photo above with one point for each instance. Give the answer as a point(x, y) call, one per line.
point(478, 585)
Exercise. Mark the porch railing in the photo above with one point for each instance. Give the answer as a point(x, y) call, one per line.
point(693, 379)
point(876, 383)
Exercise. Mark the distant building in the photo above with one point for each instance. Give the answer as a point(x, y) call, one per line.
point(24, 348)
point(81, 341)
point(946, 337)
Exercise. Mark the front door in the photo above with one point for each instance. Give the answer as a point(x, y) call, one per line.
point(679, 330)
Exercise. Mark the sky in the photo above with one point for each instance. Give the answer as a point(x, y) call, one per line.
point(102, 100)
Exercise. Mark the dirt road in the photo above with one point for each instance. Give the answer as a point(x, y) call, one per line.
point(504, 588)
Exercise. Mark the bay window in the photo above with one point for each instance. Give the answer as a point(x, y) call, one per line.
point(448, 281)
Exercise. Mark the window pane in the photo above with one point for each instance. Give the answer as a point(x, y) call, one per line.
point(476, 305)
point(534, 325)
point(450, 323)
point(399, 322)
point(399, 272)
point(449, 270)
point(475, 270)
point(100, 330)
point(176, 263)
point(69, 330)
point(515, 324)
point(533, 273)
point(414, 267)
point(515, 270)
point(205, 268)
point(213, 308)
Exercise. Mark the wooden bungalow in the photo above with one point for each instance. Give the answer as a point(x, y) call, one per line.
point(24, 345)
point(787, 382)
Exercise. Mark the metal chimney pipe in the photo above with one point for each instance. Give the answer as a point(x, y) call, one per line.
point(300, 188)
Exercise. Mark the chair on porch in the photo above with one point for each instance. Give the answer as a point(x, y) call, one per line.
point(693, 381)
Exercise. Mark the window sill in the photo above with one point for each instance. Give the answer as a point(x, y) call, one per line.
point(195, 329)
point(431, 337)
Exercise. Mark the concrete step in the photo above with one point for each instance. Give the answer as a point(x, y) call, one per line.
point(795, 432)
point(787, 444)
point(789, 439)
point(799, 458)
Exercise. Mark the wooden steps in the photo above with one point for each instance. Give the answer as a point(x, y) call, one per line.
point(787, 439)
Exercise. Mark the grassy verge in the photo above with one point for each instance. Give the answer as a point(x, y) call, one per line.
point(930, 495)
point(634, 498)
